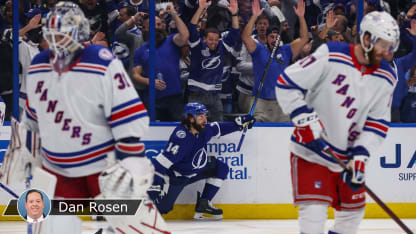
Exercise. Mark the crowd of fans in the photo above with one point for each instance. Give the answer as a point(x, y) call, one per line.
point(205, 48)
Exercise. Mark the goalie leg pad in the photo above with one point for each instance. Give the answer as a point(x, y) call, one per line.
point(147, 220)
point(312, 217)
point(44, 180)
point(24, 149)
point(58, 224)
point(347, 222)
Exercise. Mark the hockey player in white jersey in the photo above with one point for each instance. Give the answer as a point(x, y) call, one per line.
point(90, 120)
point(340, 96)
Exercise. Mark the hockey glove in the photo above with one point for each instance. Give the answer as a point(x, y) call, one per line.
point(308, 129)
point(130, 177)
point(245, 121)
point(159, 188)
point(354, 176)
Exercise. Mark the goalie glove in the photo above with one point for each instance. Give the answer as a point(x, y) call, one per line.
point(245, 121)
point(128, 178)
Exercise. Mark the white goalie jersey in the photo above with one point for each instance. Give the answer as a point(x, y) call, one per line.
point(352, 100)
point(82, 113)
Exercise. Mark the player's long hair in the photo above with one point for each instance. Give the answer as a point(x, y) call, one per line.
point(187, 122)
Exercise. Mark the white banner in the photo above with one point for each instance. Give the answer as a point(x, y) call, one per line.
point(260, 173)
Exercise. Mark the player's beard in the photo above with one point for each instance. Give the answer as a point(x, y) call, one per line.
point(198, 127)
point(373, 57)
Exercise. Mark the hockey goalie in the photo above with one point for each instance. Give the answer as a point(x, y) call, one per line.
point(89, 118)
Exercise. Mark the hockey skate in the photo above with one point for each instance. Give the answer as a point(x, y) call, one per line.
point(204, 210)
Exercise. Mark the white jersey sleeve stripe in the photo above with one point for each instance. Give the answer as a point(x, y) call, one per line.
point(341, 58)
point(130, 148)
point(377, 126)
point(30, 112)
point(288, 83)
point(126, 112)
point(386, 76)
point(164, 161)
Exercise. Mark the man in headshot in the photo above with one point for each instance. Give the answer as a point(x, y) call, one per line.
point(34, 206)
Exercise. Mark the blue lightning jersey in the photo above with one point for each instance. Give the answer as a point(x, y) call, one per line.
point(141, 6)
point(186, 153)
point(207, 65)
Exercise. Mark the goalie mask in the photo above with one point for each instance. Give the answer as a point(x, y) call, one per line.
point(66, 27)
point(380, 25)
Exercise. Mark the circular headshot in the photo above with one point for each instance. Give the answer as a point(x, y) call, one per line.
point(34, 205)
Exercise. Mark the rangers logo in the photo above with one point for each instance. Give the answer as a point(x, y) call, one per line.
point(105, 54)
point(318, 184)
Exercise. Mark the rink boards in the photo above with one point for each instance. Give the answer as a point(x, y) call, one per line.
point(258, 184)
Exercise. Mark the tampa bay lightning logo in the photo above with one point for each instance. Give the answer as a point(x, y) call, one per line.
point(211, 63)
point(200, 159)
point(181, 134)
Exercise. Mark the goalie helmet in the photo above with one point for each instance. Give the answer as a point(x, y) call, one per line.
point(380, 25)
point(194, 109)
point(66, 27)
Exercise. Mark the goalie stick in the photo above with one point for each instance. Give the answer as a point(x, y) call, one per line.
point(28, 172)
point(276, 46)
point(372, 194)
point(7, 189)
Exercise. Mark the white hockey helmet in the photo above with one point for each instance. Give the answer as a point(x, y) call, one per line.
point(380, 25)
point(66, 26)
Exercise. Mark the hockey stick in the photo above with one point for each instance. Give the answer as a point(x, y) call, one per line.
point(276, 46)
point(372, 194)
point(7, 189)
point(28, 172)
